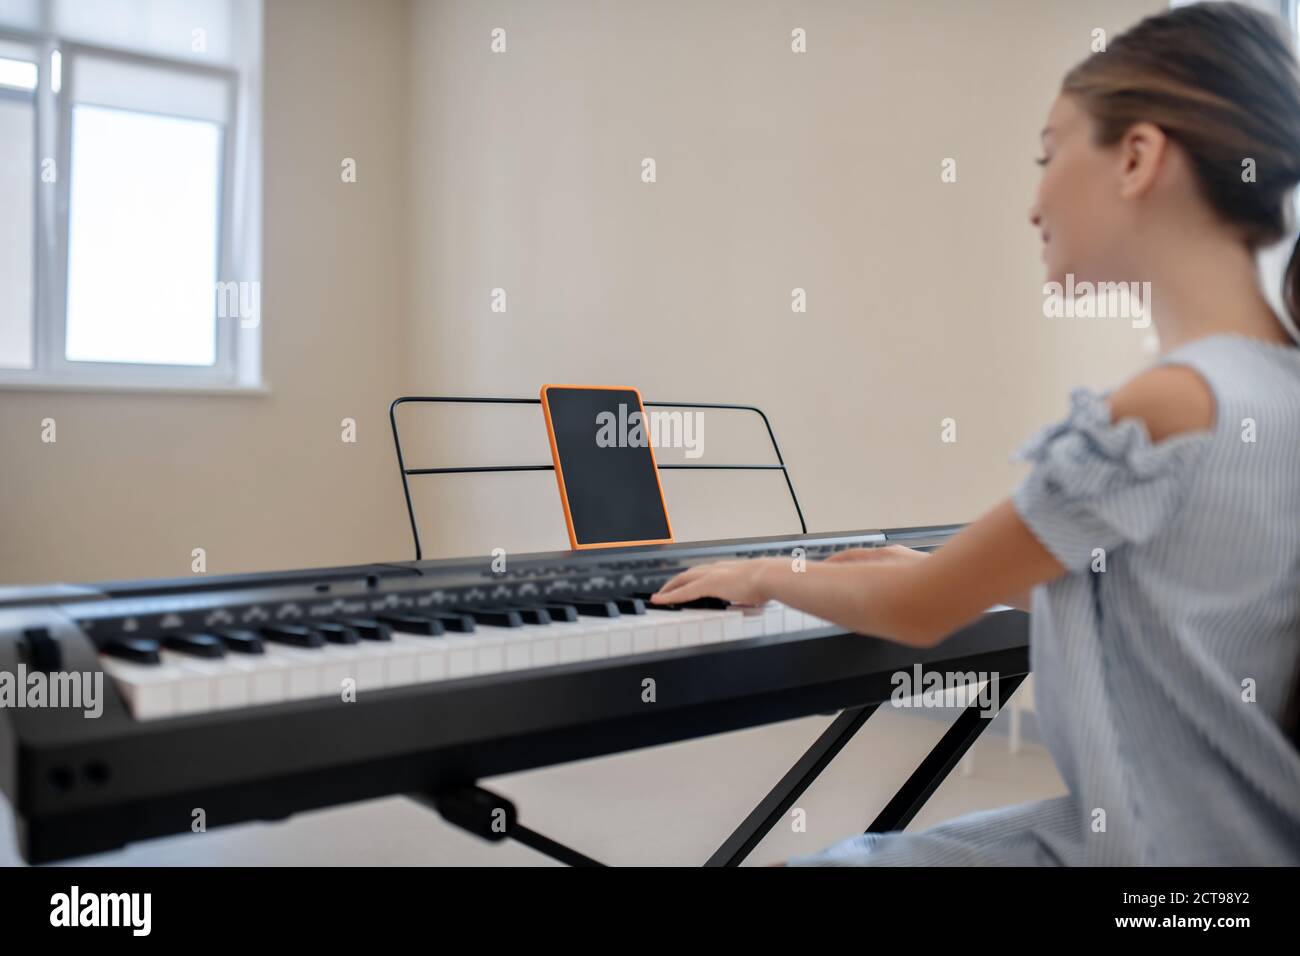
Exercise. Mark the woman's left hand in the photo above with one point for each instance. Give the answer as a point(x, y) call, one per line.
point(740, 582)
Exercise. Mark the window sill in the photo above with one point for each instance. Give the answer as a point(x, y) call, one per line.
point(48, 384)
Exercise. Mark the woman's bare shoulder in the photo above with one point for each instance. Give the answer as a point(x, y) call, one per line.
point(1171, 399)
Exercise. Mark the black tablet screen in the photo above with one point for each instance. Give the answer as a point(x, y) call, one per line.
point(606, 465)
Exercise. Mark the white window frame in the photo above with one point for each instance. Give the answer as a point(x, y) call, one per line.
point(51, 369)
point(36, 169)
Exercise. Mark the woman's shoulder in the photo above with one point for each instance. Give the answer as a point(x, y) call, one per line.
point(1239, 370)
point(1169, 399)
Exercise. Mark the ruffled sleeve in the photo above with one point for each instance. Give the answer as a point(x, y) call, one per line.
point(1095, 484)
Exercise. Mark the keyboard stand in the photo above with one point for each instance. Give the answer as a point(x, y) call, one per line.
point(904, 805)
point(494, 818)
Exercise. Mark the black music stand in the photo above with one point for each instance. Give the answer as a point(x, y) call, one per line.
point(494, 818)
point(489, 469)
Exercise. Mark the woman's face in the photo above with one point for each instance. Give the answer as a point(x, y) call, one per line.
point(1077, 210)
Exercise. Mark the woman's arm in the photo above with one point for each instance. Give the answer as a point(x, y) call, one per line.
point(898, 552)
point(920, 602)
point(912, 602)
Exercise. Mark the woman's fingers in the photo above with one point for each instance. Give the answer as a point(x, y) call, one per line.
point(679, 591)
point(699, 581)
point(679, 581)
point(687, 591)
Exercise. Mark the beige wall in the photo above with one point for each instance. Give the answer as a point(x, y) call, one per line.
point(775, 171)
point(521, 171)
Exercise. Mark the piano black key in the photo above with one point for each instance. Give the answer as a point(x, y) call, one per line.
point(295, 635)
point(626, 602)
point(196, 645)
point(562, 612)
point(707, 603)
point(704, 603)
point(493, 616)
point(370, 630)
point(629, 603)
point(533, 615)
point(413, 624)
point(241, 641)
point(596, 608)
point(138, 650)
point(454, 621)
point(338, 633)
point(645, 596)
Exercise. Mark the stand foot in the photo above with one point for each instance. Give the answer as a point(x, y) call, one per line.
point(492, 817)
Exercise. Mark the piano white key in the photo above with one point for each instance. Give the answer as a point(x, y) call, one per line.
point(549, 644)
point(595, 643)
point(304, 670)
point(733, 625)
point(668, 630)
point(194, 685)
point(361, 662)
point(711, 628)
point(233, 687)
point(570, 644)
point(644, 637)
point(147, 687)
point(519, 654)
point(793, 621)
point(545, 650)
point(269, 681)
point(620, 639)
point(688, 632)
point(429, 654)
point(400, 662)
point(460, 654)
point(337, 667)
point(491, 644)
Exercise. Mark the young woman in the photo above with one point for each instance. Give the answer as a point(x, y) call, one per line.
point(1162, 682)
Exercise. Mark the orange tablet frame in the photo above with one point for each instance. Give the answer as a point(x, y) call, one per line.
point(559, 469)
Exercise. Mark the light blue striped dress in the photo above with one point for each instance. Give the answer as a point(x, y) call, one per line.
point(1160, 681)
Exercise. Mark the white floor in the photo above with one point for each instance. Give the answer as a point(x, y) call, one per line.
point(668, 806)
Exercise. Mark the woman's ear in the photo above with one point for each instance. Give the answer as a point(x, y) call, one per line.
point(1141, 152)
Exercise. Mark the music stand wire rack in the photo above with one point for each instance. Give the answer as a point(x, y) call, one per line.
point(408, 473)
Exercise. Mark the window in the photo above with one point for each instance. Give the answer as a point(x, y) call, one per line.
point(18, 199)
point(129, 160)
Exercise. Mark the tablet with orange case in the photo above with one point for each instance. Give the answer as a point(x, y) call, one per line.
point(613, 498)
